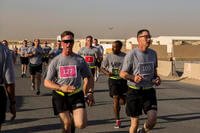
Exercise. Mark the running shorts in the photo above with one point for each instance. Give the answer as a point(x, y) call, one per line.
point(138, 100)
point(67, 103)
point(117, 87)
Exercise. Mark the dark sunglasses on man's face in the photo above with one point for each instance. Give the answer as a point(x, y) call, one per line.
point(68, 41)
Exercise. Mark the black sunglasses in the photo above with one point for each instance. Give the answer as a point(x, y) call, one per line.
point(68, 41)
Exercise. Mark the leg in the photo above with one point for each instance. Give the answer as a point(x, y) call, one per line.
point(38, 82)
point(80, 117)
point(151, 120)
point(134, 124)
point(116, 107)
point(66, 121)
point(25, 69)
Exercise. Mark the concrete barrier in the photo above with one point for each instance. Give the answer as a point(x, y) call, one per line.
point(165, 68)
point(191, 70)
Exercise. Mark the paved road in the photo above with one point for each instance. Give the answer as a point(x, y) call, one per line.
point(179, 110)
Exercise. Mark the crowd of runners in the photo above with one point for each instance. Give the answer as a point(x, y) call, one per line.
point(71, 77)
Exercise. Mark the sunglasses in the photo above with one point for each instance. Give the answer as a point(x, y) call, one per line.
point(68, 41)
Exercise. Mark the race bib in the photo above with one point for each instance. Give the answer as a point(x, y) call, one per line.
point(89, 59)
point(115, 71)
point(146, 68)
point(68, 71)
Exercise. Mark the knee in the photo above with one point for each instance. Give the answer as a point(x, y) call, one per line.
point(151, 122)
point(80, 125)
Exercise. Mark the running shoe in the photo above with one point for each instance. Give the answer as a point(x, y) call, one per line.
point(117, 124)
point(140, 130)
point(32, 86)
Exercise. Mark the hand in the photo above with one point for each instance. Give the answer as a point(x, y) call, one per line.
point(13, 111)
point(67, 88)
point(90, 99)
point(138, 78)
point(157, 81)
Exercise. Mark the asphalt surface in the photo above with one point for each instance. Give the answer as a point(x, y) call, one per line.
point(178, 109)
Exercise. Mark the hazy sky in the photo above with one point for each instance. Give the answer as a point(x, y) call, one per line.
point(30, 19)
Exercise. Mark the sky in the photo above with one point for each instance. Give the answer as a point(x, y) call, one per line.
point(113, 19)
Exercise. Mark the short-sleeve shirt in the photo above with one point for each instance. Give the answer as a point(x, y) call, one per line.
point(46, 50)
point(37, 58)
point(113, 63)
point(23, 50)
point(90, 55)
point(143, 63)
point(68, 70)
point(54, 52)
point(7, 72)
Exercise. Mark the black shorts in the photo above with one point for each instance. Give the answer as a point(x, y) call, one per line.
point(67, 103)
point(33, 69)
point(3, 103)
point(93, 71)
point(24, 60)
point(98, 64)
point(138, 100)
point(117, 87)
point(45, 59)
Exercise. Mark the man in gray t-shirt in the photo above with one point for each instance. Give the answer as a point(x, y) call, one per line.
point(90, 54)
point(64, 76)
point(111, 66)
point(23, 51)
point(35, 54)
point(7, 83)
point(140, 69)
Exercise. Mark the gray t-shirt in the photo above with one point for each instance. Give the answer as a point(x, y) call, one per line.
point(37, 58)
point(68, 70)
point(7, 72)
point(46, 50)
point(113, 63)
point(143, 63)
point(23, 50)
point(90, 55)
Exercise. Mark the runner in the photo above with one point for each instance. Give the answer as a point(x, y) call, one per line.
point(46, 50)
point(140, 69)
point(5, 43)
point(23, 50)
point(111, 66)
point(64, 77)
point(56, 50)
point(7, 84)
point(35, 67)
point(98, 62)
point(90, 54)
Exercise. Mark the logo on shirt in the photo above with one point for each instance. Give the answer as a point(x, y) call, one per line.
point(68, 71)
point(89, 59)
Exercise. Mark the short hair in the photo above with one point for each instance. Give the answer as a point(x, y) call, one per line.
point(119, 43)
point(96, 39)
point(141, 31)
point(89, 37)
point(69, 33)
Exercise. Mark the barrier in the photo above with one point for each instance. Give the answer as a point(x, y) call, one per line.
point(191, 70)
point(165, 68)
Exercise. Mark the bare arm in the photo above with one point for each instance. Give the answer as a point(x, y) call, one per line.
point(53, 86)
point(88, 89)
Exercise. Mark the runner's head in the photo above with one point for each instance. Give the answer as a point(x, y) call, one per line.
point(144, 39)
point(116, 47)
point(89, 41)
point(67, 42)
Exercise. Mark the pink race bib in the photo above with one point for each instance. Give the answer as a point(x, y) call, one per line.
point(68, 71)
point(89, 59)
